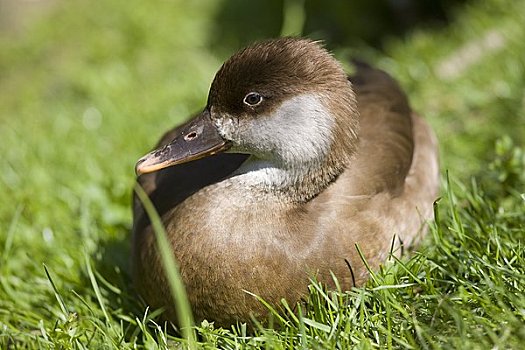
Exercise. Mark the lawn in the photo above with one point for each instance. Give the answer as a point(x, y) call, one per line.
point(88, 87)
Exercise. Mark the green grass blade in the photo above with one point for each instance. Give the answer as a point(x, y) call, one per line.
point(94, 284)
point(10, 232)
point(269, 307)
point(61, 303)
point(314, 324)
point(178, 291)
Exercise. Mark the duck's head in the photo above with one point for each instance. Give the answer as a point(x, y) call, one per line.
point(287, 102)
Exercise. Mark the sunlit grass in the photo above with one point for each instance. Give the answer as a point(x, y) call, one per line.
point(88, 90)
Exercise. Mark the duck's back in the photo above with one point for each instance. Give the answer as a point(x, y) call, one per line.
point(386, 136)
point(386, 195)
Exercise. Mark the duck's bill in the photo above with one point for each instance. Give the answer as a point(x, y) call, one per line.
point(196, 139)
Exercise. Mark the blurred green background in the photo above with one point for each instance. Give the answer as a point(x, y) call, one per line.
point(87, 87)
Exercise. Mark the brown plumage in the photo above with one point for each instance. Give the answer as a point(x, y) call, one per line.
point(317, 165)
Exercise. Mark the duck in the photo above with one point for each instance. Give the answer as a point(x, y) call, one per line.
point(293, 171)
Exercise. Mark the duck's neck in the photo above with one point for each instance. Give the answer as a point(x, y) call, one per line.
point(291, 184)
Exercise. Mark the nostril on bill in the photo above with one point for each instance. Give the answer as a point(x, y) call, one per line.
point(190, 136)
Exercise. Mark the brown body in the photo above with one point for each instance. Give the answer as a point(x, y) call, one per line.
point(228, 241)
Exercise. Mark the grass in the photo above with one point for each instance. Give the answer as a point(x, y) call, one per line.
point(88, 89)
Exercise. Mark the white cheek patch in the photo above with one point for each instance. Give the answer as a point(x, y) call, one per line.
point(298, 132)
point(226, 127)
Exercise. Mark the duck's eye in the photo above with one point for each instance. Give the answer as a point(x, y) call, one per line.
point(253, 99)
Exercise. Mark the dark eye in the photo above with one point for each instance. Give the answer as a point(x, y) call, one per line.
point(253, 99)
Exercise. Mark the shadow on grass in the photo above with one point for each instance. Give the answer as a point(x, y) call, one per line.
point(339, 23)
